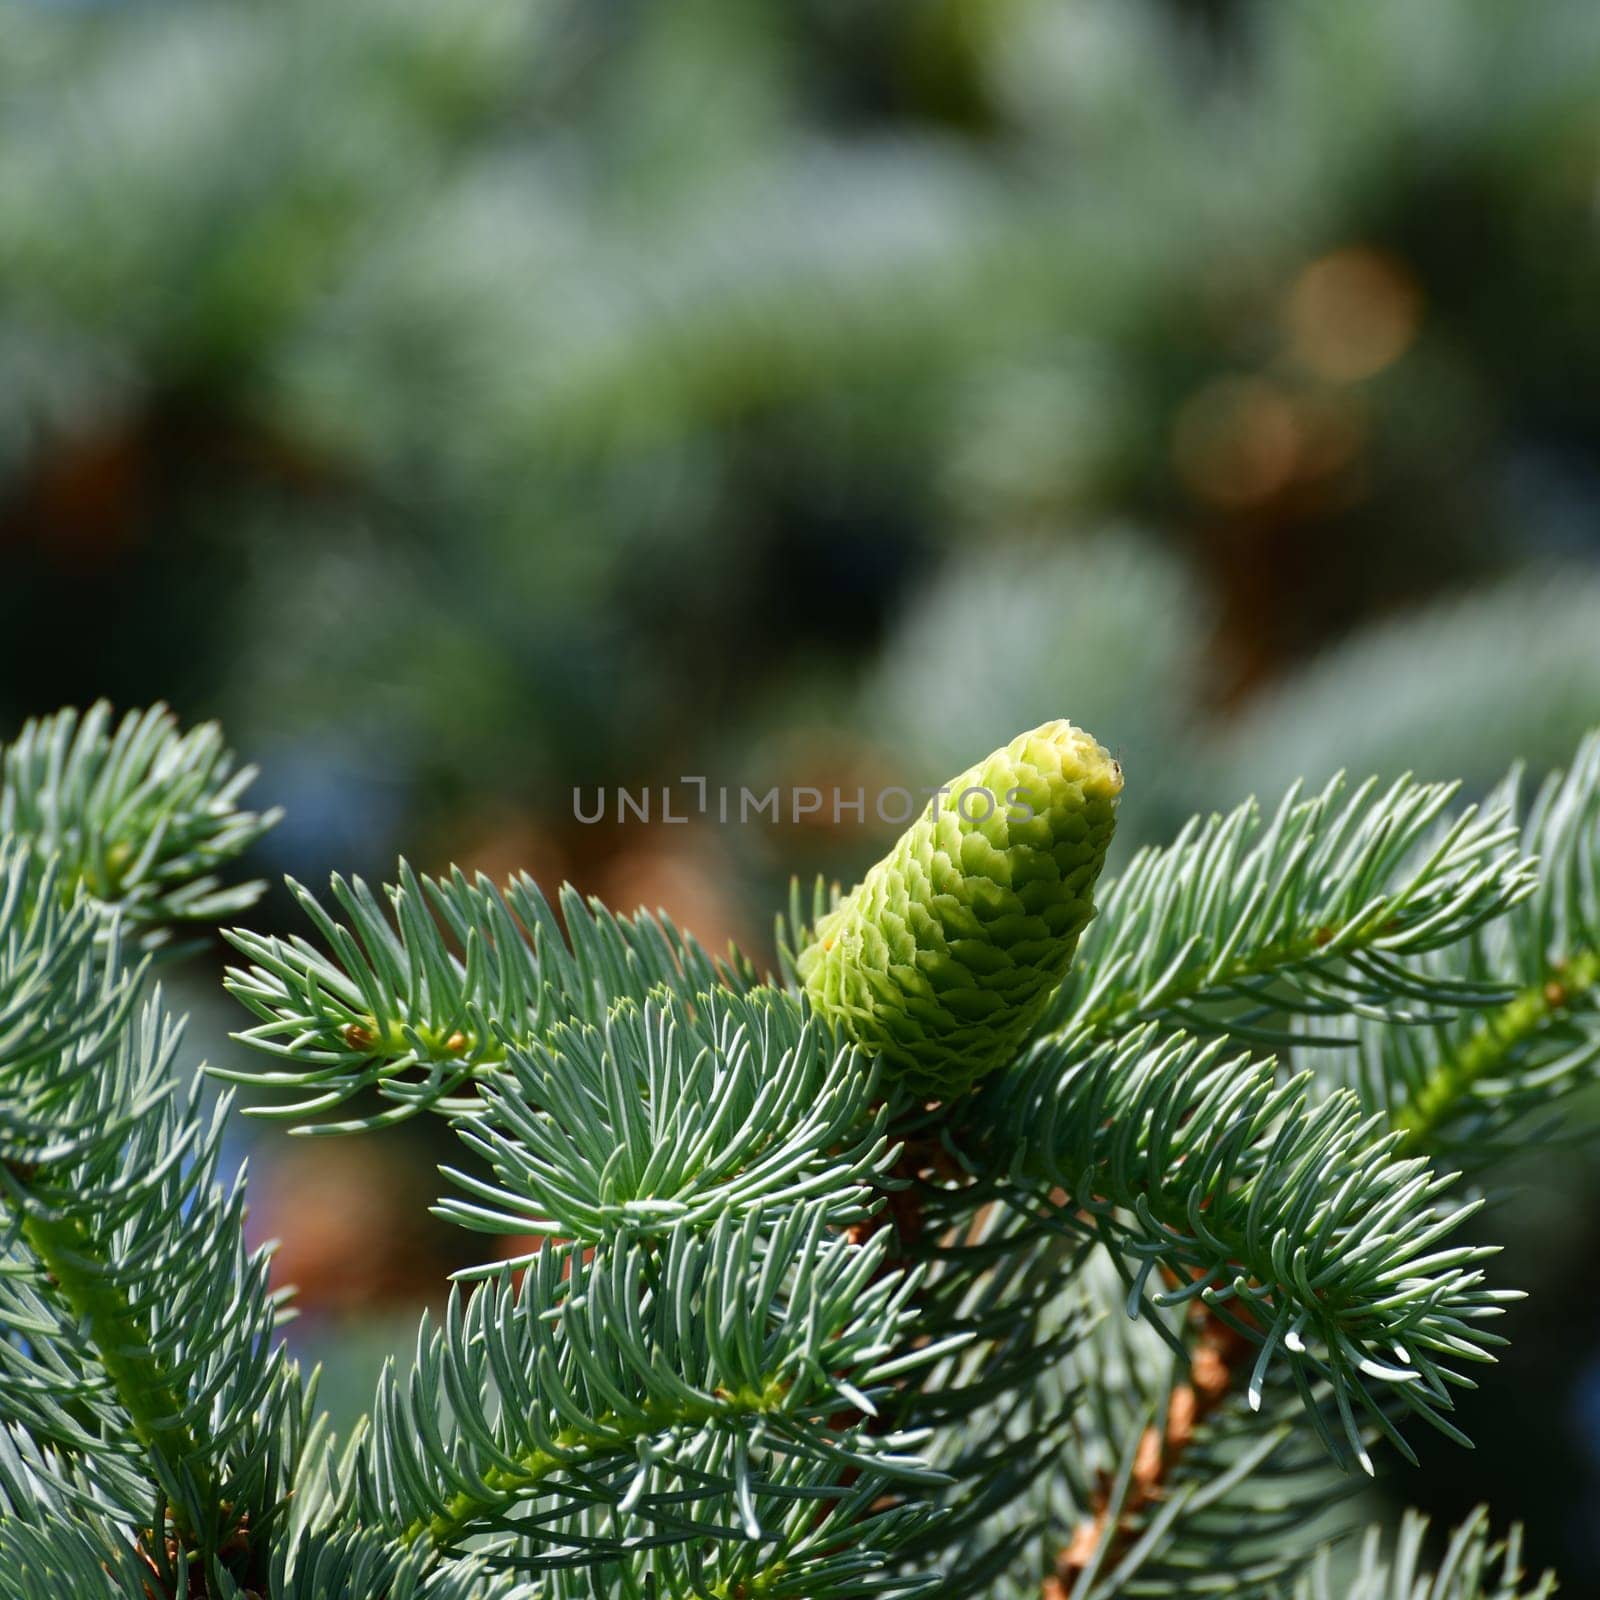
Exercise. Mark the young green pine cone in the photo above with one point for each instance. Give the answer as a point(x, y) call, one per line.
point(943, 957)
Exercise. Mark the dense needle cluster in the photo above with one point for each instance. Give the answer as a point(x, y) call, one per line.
point(986, 1251)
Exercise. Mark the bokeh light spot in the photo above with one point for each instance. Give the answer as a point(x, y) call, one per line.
point(1352, 313)
point(1236, 442)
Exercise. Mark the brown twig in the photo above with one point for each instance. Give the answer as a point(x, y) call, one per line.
point(1216, 1359)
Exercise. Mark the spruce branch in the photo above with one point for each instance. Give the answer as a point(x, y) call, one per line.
point(1094, 1467)
point(1251, 925)
point(55, 1557)
point(789, 1332)
point(1475, 1566)
point(1506, 1058)
point(644, 1397)
point(1110, 1539)
point(999, 1408)
point(139, 1331)
point(1375, 886)
point(60, 1008)
point(1292, 1221)
point(361, 1564)
point(1462, 1085)
point(140, 815)
point(673, 1115)
point(1057, 1389)
point(423, 989)
point(1215, 1497)
point(144, 1316)
point(839, 1547)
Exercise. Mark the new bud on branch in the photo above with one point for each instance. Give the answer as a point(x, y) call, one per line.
point(943, 957)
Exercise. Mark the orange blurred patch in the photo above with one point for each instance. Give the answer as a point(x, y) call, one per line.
point(346, 1225)
point(1236, 442)
point(685, 880)
point(1241, 442)
point(1352, 313)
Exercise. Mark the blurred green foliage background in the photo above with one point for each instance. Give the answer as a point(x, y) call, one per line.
point(471, 402)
